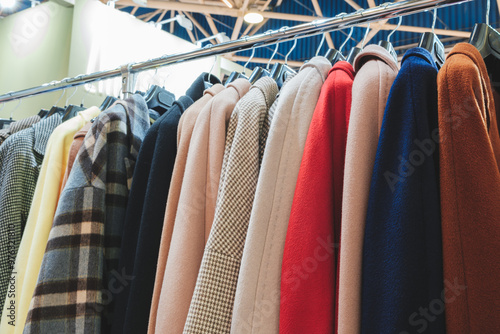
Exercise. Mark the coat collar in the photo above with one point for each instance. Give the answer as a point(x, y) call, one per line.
point(269, 89)
point(377, 52)
point(138, 121)
point(42, 131)
point(241, 86)
point(343, 66)
point(421, 53)
point(197, 88)
point(320, 64)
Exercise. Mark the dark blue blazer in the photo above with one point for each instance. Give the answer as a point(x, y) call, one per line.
point(402, 254)
point(145, 213)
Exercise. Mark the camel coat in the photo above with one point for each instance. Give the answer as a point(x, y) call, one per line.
point(195, 210)
point(470, 193)
point(256, 307)
point(375, 73)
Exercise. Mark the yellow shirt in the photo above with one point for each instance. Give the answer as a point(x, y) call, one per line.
point(42, 211)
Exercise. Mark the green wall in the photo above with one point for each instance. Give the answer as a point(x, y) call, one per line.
point(34, 49)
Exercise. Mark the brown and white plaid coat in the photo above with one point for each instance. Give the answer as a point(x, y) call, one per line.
point(79, 275)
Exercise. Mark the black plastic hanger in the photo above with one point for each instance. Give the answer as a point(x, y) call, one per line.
point(42, 113)
point(431, 43)
point(258, 73)
point(159, 99)
point(236, 75)
point(108, 102)
point(486, 40)
point(355, 50)
point(388, 45)
point(5, 122)
point(352, 54)
point(71, 111)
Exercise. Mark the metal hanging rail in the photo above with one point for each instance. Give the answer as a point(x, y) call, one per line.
point(339, 22)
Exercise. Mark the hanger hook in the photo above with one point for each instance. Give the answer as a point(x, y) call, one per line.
point(434, 19)
point(74, 92)
point(86, 92)
point(211, 68)
point(347, 39)
point(249, 59)
point(289, 52)
point(320, 44)
point(18, 104)
point(488, 7)
point(397, 27)
point(3, 106)
point(60, 97)
point(272, 57)
point(366, 34)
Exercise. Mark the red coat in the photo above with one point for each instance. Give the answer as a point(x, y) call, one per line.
point(309, 271)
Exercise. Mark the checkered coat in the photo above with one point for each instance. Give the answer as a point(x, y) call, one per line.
point(18, 126)
point(79, 276)
point(21, 157)
point(212, 303)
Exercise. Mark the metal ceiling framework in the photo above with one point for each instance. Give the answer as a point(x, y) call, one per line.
point(211, 17)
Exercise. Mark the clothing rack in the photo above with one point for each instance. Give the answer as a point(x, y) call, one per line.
point(339, 22)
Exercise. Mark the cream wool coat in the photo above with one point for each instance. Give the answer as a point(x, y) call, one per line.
point(375, 71)
point(184, 132)
point(196, 207)
point(257, 303)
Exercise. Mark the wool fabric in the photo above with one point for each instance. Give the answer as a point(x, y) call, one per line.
point(195, 210)
point(309, 270)
point(470, 193)
point(145, 213)
point(256, 306)
point(376, 70)
point(402, 248)
point(184, 132)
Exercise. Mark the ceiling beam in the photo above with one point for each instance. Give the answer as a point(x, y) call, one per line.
point(318, 11)
point(134, 10)
point(199, 26)
point(161, 16)
point(443, 32)
point(206, 9)
point(211, 24)
point(237, 28)
point(293, 63)
point(257, 27)
point(377, 26)
point(172, 24)
point(353, 4)
point(191, 36)
point(371, 3)
point(498, 5)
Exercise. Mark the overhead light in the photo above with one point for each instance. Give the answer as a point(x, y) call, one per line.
point(7, 3)
point(230, 5)
point(253, 17)
point(181, 19)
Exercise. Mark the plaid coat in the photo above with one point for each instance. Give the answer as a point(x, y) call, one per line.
point(79, 276)
point(21, 156)
point(212, 303)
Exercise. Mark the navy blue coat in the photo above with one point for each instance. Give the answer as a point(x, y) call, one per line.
point(145, 213)
point(402, 252)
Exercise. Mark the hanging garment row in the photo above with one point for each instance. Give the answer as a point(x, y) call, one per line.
point(355, 198)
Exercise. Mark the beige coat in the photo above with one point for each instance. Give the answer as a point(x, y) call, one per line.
point(375, 72)
point(211, 307)
point(184, 132)
point(257, 304)
point(195, 210)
